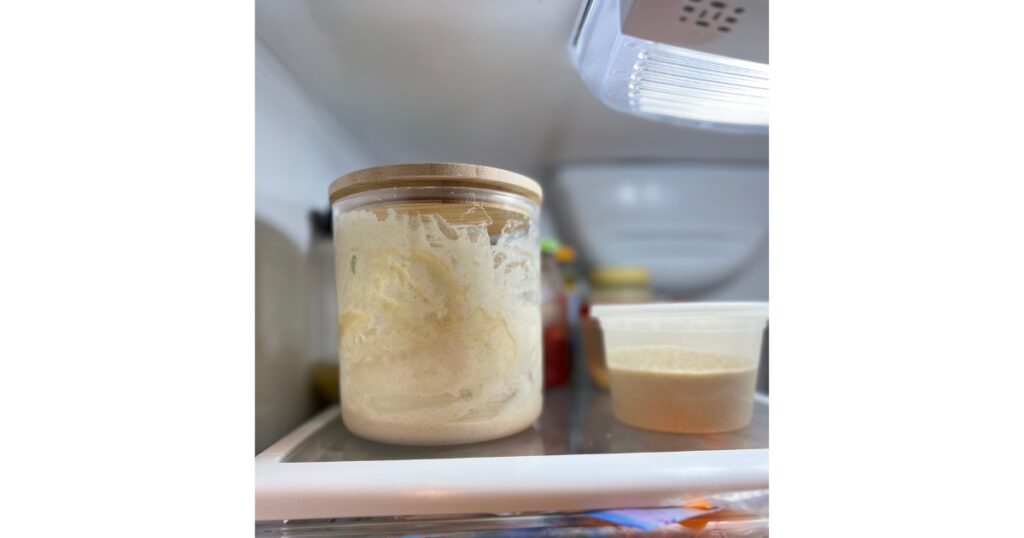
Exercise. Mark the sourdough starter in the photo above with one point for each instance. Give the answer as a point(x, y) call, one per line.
point(439, 328)
point(672, 389)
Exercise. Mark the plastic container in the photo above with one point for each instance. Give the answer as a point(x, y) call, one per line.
point(438, 287)
point(683, 367)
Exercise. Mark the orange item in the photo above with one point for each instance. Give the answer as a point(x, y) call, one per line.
point(565, 254)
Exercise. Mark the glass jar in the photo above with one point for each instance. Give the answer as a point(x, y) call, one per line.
point(439, 321)
point(610, 285)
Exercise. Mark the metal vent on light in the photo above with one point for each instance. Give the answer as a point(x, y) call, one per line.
point(694, 62)
point(715, 17)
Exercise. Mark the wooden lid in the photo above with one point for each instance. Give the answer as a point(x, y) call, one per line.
point(441, 174)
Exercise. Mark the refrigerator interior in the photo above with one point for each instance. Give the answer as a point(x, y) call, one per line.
point(347, 85)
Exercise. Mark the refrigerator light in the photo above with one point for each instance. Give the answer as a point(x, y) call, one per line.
point(631, 57)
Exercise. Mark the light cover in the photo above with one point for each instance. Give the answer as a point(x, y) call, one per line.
point(673, 83)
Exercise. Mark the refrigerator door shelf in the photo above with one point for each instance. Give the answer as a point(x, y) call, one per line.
point(576, 457)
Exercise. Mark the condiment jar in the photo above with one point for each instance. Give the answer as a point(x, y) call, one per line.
point(610, 285)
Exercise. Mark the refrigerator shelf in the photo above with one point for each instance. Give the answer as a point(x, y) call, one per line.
point(575, 457)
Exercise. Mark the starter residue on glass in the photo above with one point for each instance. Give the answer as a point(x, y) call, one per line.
point(439, 328)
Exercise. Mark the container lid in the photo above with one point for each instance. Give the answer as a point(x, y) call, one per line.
point(683, 311)
point(445, 174)
point(615, 276)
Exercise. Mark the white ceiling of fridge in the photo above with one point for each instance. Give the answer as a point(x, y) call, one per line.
point(469, 81)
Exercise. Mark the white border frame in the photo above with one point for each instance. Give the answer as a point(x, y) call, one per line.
point(312, 490)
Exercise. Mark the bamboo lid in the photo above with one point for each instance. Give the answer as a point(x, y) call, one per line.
point(441, 174)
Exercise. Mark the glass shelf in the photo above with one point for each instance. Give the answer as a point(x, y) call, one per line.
point(575, 420)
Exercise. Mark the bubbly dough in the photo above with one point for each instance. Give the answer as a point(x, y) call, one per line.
point(439, 329)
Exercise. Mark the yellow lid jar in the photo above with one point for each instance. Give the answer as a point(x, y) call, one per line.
point(610, 285)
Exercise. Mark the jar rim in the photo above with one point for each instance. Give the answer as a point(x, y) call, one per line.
point(440, 174)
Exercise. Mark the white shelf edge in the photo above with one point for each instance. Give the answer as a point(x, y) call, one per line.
point(313, 490)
